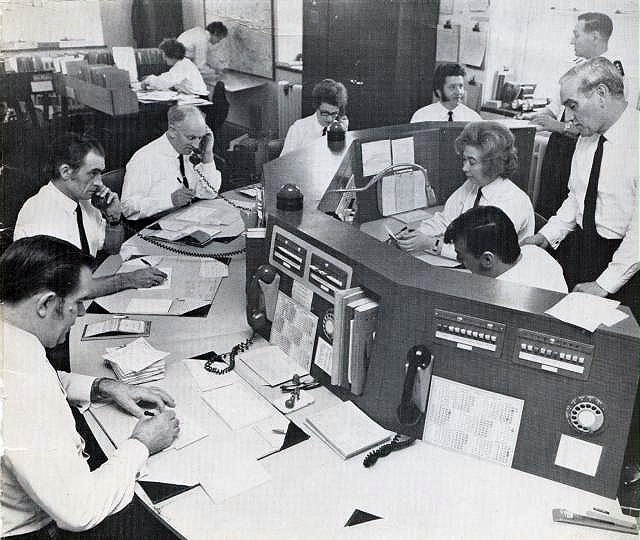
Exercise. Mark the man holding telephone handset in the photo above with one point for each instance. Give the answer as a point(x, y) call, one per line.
point(77, 207)
point(174, 169)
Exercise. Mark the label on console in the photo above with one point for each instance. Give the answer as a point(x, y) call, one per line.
point(578, 455)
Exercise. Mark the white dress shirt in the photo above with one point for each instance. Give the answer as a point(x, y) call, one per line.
point(184, 75)
point(44, 473)
point(437, 112)
point(502, 193)
point(305, 131)
point(52, 213)
point(206, 57)
point(536, 268)
point(153, 174)
point(617, 198)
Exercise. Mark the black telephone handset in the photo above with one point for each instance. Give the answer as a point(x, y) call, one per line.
point(418, 358)
point(99, 202)
point(257, 308)
point(196, 154)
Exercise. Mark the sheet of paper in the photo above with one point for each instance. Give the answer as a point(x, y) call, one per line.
point(437, 260)
point(138, 263)
point(584, 310)
point(472, 421)
point(447, 43)
point(149, 306)
point(273, 430)
point(207, 380)
point(402, 150)
point(171, 224)
point(249, 192)
point(294, 330)
point(271, 364)
point(134, 356)
point(324, 356)
point(413, 216)
point(376, 156)
point(472, 46)
point(238, 405)
point(169, 235)
point(196, 214)
point(156, 95)
point(124, 58)
point(577, 455)
point(166, 284)
point(213, 269)
point(115, 325)
point(301, 294)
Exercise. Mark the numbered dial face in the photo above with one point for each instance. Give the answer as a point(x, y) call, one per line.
point(586, 414)
point(328, 325)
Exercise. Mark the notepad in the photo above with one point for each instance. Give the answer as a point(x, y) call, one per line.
point(346, 429)
point(115, 328)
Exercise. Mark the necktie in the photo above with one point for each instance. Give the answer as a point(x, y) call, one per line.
point(84, 244)
point(450, 113)
point(185, 182)
point(476, 203)
point(324, 131)
point(589, 213)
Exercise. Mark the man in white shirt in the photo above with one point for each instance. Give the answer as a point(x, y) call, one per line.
point(182, 76)
point(77, 207)
point(486, 243)
point(448, 86)
point(199, 44)
point(46, 482)
point(329, 100)
point(174, 169)
point(596, 228)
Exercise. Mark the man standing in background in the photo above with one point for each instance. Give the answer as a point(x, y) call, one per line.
point(199, 44)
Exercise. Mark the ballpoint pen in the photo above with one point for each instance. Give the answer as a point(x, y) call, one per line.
point(146, 262)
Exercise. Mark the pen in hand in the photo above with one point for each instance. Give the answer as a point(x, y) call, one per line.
point(149, 413)
point(145, 261)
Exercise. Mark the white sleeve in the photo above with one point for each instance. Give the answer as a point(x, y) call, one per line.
point(293, 140)
point(438, 223)
point(138, 198)
point(165, 80)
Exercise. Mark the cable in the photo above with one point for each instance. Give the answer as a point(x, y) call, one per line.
point(398, 442)
point(229, 357)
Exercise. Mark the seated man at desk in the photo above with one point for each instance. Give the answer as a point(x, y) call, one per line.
point(486, 243)
point(77, 207)
point(329, 101)
point(488, 158)
point(182, 76)
point(200, 49)
point(46, 482)
point(448, 86)
point(158, 176)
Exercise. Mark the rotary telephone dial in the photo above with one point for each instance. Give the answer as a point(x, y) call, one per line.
point(262, 295)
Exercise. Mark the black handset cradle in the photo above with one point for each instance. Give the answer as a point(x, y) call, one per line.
point(256, 306)
point(418, 357)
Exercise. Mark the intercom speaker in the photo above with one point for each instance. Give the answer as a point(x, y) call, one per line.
point(586, 414)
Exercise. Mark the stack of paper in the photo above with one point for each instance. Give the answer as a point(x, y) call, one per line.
point(346, 429)
point(587, 311)
point(137, 362)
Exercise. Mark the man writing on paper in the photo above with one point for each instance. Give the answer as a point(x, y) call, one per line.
point(486, 243)
point(171, 171)
point(596, 229)
point(46, 482)
point(77, 207)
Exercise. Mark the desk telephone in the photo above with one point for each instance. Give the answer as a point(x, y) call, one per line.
point(413, 403)
point(262, 295)
point(196, 154)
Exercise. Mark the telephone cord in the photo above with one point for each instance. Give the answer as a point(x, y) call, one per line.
point(398, 442)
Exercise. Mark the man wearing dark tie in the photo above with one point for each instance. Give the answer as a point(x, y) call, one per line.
point(596, 229)
point(172, 170)
point(77, 207)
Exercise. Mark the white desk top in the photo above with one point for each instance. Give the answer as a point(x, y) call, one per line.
point(420, 492)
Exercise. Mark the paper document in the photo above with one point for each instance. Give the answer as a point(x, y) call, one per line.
point(149, 306)
point(271, 364)
point(238, 405)
point(376, 156)
point(207, 380)
point(402, 150)
point(134, 356)
point(121, 326)
point(587, 311)
point(138, 263)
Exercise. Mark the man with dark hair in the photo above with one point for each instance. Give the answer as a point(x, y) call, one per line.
point(200, 49)
point(486, 243)
point(161, 176)
point(448, 87)
point(46, 482)
point(329, 101)
point(182, 76)
point(77, 207)
point(596, 229)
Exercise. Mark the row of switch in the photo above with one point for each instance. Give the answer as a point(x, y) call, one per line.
point(467, 332)
point(550, 353)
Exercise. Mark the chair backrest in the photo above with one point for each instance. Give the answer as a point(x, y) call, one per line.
point(113, 180)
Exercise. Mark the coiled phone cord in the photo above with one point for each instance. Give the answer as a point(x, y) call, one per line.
point(229, 357)
point(398, 442)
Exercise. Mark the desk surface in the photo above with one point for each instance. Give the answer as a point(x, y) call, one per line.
point(423, 491)
point(235, 81)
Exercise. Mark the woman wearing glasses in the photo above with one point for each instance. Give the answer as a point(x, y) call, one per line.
point(329, 100)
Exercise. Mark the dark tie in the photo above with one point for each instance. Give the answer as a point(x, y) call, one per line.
point(185, 182)
point(476, 203)
point(450, 113)
point(589, 213)
point(324, 131)
point(84, 244)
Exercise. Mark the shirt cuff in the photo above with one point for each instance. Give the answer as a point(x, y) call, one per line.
point(610, 281)
point(449, 251)
point(136, 451)
point(553, 239)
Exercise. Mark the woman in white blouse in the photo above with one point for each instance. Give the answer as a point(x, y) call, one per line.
point(183, 75)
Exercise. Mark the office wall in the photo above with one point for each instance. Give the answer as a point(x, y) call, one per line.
point(116, 23)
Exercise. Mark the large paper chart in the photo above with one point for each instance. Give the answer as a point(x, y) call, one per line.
point(472, 421)
point(294, 330)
